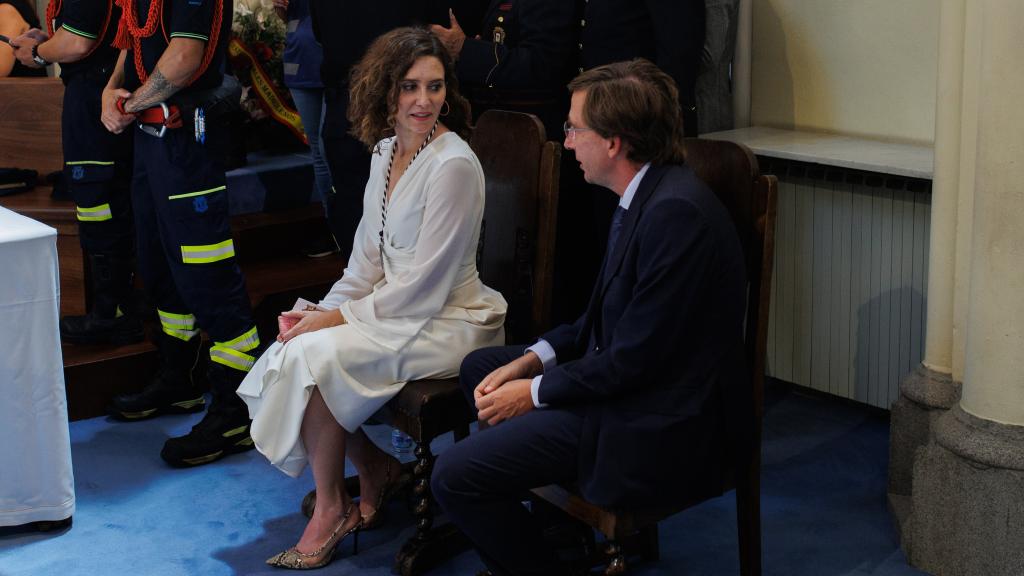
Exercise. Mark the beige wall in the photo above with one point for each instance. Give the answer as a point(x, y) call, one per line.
point(863, 67)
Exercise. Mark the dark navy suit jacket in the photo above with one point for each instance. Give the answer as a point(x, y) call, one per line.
point(658, 350)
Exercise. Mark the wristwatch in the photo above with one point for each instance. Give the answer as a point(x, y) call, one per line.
point(37, 58)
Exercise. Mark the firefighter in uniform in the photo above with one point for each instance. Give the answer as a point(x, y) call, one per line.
point(171, 84)
point(97, 164)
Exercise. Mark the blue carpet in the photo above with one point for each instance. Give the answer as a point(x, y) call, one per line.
point(823, 502)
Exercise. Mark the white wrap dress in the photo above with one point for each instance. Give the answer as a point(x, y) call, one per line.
point(415, 315)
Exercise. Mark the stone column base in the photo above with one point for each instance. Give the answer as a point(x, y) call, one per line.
point(924, 396)
point(968, 499)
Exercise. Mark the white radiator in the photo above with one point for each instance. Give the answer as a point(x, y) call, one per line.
point(847, 314)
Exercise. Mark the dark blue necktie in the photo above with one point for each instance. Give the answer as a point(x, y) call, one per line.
point(613, 232)
point(613, 237)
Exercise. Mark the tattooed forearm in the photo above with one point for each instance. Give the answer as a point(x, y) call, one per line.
point(154, 91)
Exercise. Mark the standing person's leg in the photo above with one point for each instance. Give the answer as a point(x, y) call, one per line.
point(97, 169)
point(191, 206)
point(349, 163)
point(310, 104)
point(172, 389)
point(335, 515)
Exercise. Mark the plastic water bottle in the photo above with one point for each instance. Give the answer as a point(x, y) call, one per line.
point(401, 443)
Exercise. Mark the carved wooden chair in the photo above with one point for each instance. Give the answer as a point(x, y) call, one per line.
point(515, 257)
point(731, 171)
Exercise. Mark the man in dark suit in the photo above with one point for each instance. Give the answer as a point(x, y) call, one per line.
point(627, 402)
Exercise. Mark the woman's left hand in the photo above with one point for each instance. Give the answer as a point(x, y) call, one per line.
point(310, 321)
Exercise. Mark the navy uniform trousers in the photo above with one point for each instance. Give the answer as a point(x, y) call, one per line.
point(481, 480)
point(186, 254)
point(97, 167)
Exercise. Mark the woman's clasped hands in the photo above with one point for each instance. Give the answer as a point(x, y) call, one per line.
point(295, 322)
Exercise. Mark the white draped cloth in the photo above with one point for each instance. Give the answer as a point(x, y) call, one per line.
point(415, 315)
point(36, 479)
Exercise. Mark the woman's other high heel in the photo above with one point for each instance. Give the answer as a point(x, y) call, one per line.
point(376, 518)
point(292, 559)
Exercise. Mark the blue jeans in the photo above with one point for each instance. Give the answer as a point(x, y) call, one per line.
point(310, 104)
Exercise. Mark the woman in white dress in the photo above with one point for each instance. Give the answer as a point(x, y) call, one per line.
point(410, 304)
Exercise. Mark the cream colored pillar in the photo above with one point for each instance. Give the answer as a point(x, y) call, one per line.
point(929, 391)
point(994, 359)
point(966, 515)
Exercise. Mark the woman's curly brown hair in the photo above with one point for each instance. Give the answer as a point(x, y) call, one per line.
point(373, 96)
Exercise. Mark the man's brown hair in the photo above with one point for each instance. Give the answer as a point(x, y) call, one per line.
point(373, 97)
point(637, 102)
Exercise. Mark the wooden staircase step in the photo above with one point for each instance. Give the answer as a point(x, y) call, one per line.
point(95, 374)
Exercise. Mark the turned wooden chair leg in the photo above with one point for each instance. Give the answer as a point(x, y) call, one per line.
point(423, 507)
point(616, 559)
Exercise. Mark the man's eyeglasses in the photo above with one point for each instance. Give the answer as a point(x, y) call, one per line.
point(570, 131)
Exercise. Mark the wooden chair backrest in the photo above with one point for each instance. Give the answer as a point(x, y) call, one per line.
point(731, 171)
point(517, 240)
point(30, 110)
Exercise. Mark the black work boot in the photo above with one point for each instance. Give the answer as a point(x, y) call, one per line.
point(172, 390)
point(223, 431)
point(110, 321)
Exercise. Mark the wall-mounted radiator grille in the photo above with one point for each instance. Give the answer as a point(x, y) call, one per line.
point(849, 286)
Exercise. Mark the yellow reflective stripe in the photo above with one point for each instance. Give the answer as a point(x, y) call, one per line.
point(208, 253)
point(247, 341)
point(200, 193)
point(78, 32)
point(181, 326)
point(94, 214)
point(185, 335)
point(232, 358)
point(235, 431)
point(89, 162)
point(186, 321)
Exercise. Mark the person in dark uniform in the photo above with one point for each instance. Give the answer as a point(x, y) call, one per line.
point(97, 163)
point(345, 29)
point(669, 33)
point(16, 18)
point(521, 61)
point(171, 82)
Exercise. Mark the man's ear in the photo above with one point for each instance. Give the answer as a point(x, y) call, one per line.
point(615, 146)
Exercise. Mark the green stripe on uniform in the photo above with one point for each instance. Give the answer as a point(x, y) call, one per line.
point(90, 162)
point(78, 32)
point(190, 35)
point(200, 193)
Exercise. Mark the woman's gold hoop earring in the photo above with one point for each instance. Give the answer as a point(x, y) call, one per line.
point(446, 109)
